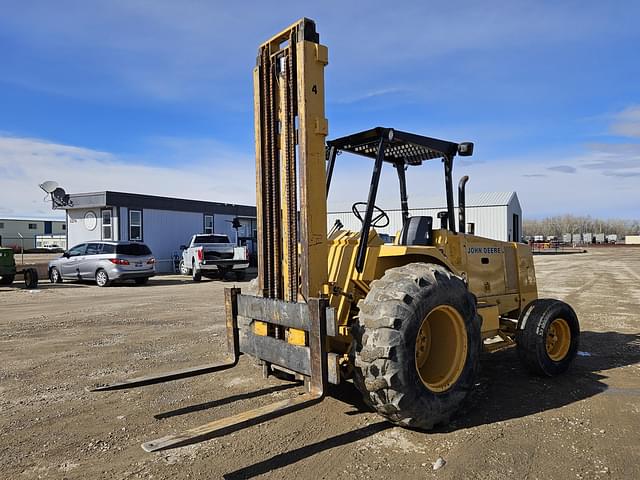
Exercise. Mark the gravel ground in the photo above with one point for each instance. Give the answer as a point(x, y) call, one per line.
point(62, 338)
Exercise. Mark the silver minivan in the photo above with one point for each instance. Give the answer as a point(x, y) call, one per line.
point(104, 262)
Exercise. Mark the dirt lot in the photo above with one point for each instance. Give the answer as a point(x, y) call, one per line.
point(60, 339)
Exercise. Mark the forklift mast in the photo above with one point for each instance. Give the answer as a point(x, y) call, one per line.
point(290, 129)
point(287, 325)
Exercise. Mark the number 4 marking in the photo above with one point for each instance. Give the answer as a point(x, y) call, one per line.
point(314, 89)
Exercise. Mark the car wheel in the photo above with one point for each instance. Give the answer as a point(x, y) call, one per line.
point(31, 278)
point(223, 271)
point(102, 279)
point(196, 274)
point(54, 275)
point(142, 281)
point(183, 268)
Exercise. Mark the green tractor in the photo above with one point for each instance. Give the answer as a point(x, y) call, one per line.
point(8, 270)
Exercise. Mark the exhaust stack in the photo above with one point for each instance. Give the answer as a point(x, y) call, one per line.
point(461, 204)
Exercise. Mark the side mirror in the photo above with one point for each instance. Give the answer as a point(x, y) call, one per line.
point(66, 255)
point(183, 247)
point(465, 149)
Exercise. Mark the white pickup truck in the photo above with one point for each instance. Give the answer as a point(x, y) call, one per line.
point(213, 254)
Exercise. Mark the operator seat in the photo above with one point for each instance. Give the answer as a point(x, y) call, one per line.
point(417, 231)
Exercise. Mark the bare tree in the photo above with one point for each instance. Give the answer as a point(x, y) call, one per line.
point(561, 224)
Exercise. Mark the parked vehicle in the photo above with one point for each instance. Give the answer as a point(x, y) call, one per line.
point(105, 262)
point(8, 270)
point(213, 254)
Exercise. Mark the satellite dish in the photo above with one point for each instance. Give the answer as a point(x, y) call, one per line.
point(60, 198)
point(49, 186)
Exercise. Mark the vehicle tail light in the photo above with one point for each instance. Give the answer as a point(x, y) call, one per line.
point(246, 252)
point(119, 261)
point(151, 261)
point(200, 254)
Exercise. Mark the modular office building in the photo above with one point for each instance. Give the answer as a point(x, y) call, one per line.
point(163, 223)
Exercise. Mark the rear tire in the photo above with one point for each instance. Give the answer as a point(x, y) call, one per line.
point(54, 275)
point(7, 279)
point(31, 278)
point(142, 281)
point(223, 272)
point(548, 337)
point(102, 279)
point(409, 379)
point(240, 275)
point(196, 275)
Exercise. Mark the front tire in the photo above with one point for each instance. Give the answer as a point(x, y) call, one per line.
point(102, 279)
point(54, 275)
point(184, 270)
point(417, 345)
point(548, 337)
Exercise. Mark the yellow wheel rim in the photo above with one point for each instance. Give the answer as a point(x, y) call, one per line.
point(558, 339)
point(441, 348)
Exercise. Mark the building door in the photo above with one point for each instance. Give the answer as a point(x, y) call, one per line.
point(48, 228)
point(516, 227)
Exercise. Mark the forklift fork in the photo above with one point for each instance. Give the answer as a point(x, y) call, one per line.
point(308, 360)
point(230, 295)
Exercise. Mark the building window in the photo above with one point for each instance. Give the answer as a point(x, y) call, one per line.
point(1, 224)
point(64, 226)
point(208, 224)
point(107, 230)
point(135, 225)
point(33, 226)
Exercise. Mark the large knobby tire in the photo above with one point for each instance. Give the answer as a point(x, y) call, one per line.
point(548, 336)
point(417, 345)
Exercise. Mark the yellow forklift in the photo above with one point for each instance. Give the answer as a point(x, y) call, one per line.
point(406, 322)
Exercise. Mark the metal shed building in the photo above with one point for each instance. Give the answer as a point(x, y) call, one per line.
point(495, 215)
point(162, 223)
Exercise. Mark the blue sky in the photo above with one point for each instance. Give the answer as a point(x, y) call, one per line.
point(156, 97)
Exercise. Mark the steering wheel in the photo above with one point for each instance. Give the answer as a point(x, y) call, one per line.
point(380, 220)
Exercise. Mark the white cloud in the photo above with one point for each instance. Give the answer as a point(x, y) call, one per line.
point(562, 168)
point(603, 182)
point(213, 175)
point(627, 122)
